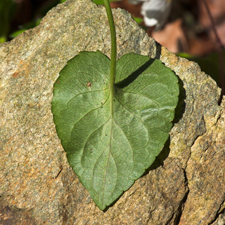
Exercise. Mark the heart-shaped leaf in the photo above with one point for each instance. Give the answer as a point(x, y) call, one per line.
point(112, 138)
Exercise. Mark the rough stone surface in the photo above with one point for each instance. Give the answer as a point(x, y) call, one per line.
point(184, 186)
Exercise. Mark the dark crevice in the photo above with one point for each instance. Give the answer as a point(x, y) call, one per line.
point(158, 50)
point(60, 170)
point(181, 207)
point(220, 98)
point(218, 214)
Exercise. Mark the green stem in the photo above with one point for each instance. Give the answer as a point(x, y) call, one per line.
point(113, 47)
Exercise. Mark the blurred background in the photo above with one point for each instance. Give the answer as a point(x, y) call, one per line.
point(182, 26)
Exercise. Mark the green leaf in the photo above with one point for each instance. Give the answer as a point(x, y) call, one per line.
point(100, 2)
point(109, 148)
point(138, 19)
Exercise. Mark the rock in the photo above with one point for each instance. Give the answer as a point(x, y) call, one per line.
point(205, 174)
point(184, 186)
point(14, 216)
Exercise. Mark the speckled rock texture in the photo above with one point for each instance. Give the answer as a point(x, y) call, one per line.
point(186, 184)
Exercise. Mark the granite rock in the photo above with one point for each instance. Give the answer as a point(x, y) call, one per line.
point(184, 186)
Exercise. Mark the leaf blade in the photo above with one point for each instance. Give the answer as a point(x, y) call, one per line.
point(110, 150)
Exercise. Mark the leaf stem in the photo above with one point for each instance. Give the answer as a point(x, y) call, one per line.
point(113, 46)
